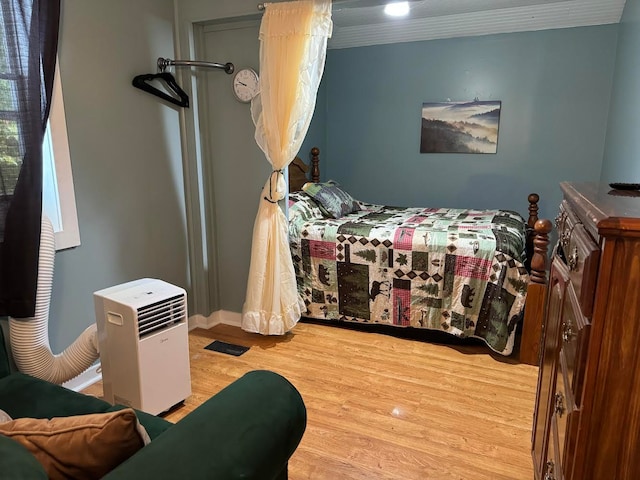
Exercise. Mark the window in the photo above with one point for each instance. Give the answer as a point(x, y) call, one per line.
point(58, 198)
point(10, 151)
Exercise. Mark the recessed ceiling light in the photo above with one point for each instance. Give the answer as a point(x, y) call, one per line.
point(397, 9)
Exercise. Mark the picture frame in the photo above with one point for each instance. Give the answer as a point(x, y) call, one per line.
point(460, 127)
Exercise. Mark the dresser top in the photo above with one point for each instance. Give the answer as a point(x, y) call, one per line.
point(603, 209)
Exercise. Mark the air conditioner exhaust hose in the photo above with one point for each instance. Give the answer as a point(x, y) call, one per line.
point(29, 337)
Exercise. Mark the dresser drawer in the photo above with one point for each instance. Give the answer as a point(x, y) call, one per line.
point(553, 466)
point(574, 342)
point(563, 406)
point(581, 254)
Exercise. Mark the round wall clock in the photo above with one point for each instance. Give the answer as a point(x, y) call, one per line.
point(246, 84)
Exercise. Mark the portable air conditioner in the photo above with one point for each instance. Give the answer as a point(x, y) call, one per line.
point(144, 344)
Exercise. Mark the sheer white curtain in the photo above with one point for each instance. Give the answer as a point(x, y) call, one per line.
point(293, 44)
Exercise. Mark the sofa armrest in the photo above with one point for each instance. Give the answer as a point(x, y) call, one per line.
point(246, 431)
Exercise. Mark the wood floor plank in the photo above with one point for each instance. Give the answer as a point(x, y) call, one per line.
point(383, 408)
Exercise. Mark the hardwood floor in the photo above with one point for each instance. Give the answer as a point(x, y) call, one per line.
point(381, 407)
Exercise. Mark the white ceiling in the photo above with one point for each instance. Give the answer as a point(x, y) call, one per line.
point(362, 22)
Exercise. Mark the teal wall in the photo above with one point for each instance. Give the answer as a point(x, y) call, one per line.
point(554, 86)
point(317, 133)
point(125, 155)
point(622, 152)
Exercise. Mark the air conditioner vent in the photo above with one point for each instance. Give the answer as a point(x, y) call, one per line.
point(158, 315)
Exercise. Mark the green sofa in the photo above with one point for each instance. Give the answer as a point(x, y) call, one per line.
point(246, 431)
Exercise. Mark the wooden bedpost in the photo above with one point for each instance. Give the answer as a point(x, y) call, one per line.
point(315, 170)
point(536, 291)
point(533, 209)
point(533, 199)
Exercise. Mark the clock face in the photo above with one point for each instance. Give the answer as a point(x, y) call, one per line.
point(246, 84)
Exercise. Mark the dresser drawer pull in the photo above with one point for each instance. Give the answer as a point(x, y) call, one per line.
point(559, 407)
point(573, 259)
point(549, 472)
point(565, 237)
point(567, 332)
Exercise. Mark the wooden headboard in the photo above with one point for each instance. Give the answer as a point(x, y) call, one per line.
point(301, 173)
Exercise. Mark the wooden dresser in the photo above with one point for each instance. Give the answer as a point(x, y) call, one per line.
point(586, 422)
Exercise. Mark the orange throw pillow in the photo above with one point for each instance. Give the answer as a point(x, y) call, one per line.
point(82, 446)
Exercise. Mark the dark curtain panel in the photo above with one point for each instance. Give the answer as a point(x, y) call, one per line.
point(28, 47)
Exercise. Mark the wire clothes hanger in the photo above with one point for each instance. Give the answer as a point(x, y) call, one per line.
point(179, 97)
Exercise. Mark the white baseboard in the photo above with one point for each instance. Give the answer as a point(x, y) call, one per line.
point(198, 321)
point(86, 378)
point(220, 317)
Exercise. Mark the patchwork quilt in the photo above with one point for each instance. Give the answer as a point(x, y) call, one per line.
point(458, 271)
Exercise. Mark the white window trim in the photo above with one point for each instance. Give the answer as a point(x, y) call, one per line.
point(67, 233)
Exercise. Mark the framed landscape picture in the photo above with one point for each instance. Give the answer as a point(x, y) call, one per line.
point(460, 127)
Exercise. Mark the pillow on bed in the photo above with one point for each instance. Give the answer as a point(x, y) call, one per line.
point(331, 198)
point(303, 207)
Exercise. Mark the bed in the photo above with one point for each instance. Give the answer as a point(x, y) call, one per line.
point(465, 272)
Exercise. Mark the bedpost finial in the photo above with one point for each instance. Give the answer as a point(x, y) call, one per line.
point(543, 226)
point(315, 169)
point(533, 209)
point(540, 245)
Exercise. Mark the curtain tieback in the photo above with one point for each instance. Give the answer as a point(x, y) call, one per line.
point(276, 172)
